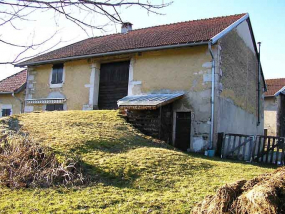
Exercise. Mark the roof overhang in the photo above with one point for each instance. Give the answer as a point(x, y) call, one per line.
point(224, 32)
point(148, 101)
point(130, 51)
point(6, 92)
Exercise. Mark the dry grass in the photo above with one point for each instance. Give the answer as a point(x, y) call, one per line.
point(24, 163)
point(132, 172)
point(264, 194)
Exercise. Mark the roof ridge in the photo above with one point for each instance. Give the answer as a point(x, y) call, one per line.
point(189, 21)
point(173, 23)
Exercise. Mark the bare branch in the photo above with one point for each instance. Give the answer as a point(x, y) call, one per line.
point(13, 11)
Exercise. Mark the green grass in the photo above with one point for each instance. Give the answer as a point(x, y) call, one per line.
point(133, 173)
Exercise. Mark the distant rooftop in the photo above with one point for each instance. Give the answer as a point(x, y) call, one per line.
point(274, 85)
point(13, 83)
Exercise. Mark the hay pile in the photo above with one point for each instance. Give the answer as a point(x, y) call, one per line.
point(24, 163)
point(264, 194)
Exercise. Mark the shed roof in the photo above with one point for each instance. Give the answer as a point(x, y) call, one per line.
point(196, 31)
point(149, 101)
point(14, 83)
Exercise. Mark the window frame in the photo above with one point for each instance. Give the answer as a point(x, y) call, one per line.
point(57, 84)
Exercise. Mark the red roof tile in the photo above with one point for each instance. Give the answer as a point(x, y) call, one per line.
point(171, 34)
point(14, 82)
point(274, 85)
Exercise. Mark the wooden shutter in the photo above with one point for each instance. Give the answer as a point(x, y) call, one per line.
point(57, 73)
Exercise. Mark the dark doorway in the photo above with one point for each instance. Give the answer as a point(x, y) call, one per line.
point(114, 79)
point(183, 130)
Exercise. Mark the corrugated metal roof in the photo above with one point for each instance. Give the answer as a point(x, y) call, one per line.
point(151, 101)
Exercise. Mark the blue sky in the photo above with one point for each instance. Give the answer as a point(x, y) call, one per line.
point(267, 18)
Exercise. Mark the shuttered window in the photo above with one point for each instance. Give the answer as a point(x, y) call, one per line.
point(57, 74)
point(6, 112)
point(54, 107)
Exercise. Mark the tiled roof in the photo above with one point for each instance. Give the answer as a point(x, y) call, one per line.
point(172, 34)
point(274, 85)
point(14, 82)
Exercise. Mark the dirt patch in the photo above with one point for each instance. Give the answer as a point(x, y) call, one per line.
point(264, 194)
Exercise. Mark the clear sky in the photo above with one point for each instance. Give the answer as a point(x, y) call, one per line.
point(267, 18)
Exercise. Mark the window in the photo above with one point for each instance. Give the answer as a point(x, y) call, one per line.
point(57, 74)
point(6, 112)
point(54, 107)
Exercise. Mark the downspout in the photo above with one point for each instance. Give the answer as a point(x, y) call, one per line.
point(213, 96)
point(21, 102)
point(258, 86)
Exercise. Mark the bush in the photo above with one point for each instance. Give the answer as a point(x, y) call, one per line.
point(24, 163)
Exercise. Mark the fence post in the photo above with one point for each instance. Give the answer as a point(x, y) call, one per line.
point(252, 143)
point(220, 144)
point(223, 145)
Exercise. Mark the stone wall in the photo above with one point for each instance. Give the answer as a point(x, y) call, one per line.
point(237, 92)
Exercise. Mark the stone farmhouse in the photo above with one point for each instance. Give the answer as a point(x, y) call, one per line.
point(183, 83)
point(274, 105)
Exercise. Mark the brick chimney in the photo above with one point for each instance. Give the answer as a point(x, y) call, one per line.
point(126, 27)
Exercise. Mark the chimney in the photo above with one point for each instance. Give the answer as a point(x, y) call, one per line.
point(126, 27)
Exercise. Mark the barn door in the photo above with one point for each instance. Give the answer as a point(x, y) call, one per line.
point(114, 79)
point(183, 130)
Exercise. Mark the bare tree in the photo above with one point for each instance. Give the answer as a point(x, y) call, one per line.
point(79, 12)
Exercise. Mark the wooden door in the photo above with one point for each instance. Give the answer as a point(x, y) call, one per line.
point(183, 130)
point(114, 79)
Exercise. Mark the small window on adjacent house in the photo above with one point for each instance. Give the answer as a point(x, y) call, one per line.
point(54, 107)
point(6, 112)
point(57, 74)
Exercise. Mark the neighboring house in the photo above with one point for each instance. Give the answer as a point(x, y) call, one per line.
point(163, 77)
point(12, 94)
point(272, 103)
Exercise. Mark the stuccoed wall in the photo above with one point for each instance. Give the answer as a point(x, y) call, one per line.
point(270, 115)
point(166, 71)
point(187, 70)
point(7, 99)
point(237, 92)
point(75, 89)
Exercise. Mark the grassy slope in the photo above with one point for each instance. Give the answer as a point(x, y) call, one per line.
point(134, 174)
